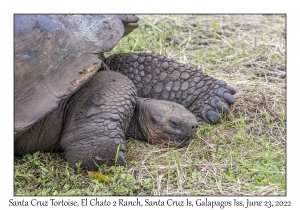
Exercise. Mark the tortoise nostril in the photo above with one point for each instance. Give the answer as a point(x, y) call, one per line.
point(195, 126)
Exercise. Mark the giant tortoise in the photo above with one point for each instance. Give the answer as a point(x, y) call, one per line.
point(69, 96)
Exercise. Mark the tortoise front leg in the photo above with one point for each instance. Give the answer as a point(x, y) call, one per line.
point(158, 77)
point(97, 117)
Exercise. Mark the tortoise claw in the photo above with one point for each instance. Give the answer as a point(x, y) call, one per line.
point(219, 103)
point(222, 106)
point(213, 116)
point(231, 89)
point(121, 159)
point(229, 98)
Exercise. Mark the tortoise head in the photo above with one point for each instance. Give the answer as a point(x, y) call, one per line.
point(165, 123)
point(130, 22)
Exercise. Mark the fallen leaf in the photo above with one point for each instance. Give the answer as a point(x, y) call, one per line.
point(97, 176)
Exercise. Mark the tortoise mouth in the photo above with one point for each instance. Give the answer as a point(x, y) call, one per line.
point(133, 24)
point(177, 138)
point(130, 26)
point(178, 141)
point(184, 136)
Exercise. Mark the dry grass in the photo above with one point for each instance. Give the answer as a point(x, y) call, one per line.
point(243, 155)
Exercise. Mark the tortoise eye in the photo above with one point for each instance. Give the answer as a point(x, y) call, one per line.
point(173, 124)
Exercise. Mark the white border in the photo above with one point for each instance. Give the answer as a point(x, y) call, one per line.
point(153, 6)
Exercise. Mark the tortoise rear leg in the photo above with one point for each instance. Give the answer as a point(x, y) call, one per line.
point(96, 120)
point(44, 135)
point(158, 77)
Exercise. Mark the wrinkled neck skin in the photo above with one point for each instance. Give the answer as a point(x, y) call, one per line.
point(134, 129)
point(143, 119)
point(162, 122)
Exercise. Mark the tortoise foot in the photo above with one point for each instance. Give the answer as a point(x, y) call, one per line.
point(217, 102)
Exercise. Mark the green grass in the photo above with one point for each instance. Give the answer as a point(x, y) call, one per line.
point(245, 154)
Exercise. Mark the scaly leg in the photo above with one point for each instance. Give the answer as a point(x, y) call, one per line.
point(97, 117)
point(158, 77)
